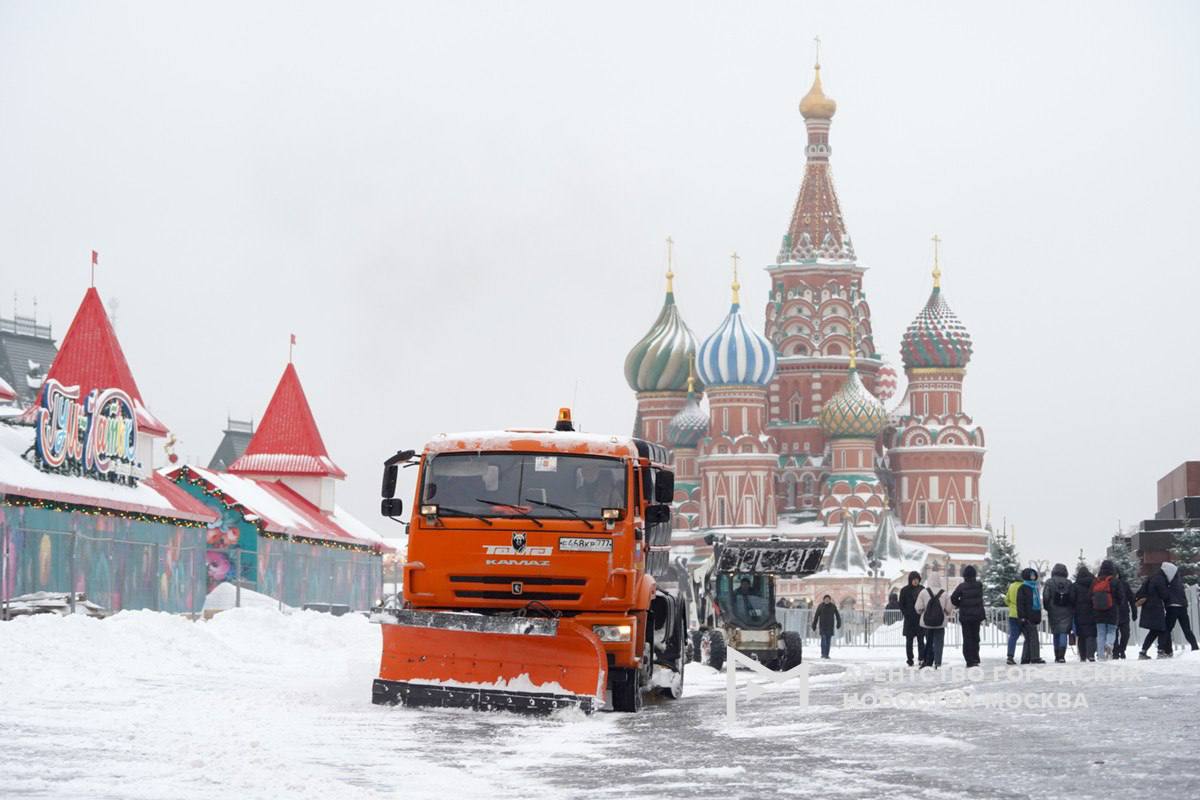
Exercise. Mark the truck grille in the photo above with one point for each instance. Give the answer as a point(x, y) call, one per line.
point(507, 593)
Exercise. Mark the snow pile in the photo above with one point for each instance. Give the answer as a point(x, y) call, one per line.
point(225, 596)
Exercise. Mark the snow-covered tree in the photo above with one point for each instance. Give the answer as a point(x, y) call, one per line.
point(1186, 553)
point(1125, 561)
point(1002, 568)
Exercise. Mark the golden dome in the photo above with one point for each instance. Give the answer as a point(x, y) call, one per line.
point(815, 105)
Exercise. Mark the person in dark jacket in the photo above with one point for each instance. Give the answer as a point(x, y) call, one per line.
point(912, 620)
point(891, 612)
point(827, 618)
point(1177, 606)
point(1126, 612)
point(1152, 613)
point(1085, 615)
point(1106, 602)
point(968, 599)
point(1029, 612)
point(1058, 604)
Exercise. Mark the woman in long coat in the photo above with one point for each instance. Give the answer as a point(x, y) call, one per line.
point(1152, 613)
point(1085, 615)
point(1058, 601)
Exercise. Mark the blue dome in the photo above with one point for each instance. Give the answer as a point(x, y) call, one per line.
point(735, 354)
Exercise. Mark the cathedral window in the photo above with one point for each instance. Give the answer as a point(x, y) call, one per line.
point(951, 514)
point(796, 416)
point(922, 513)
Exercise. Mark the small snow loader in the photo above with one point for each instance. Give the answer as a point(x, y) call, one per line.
point(736, 599)
point(530, 578)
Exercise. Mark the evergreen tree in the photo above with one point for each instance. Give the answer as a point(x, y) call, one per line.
point(1186, 554)
point(1126, 563)
point(1003, 567)
point(1082, 563)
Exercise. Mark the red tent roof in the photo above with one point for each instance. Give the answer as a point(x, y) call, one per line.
point(287, 441)
point(6, 392)
point(90, 357)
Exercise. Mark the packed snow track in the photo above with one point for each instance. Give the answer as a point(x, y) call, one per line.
point(258, 704)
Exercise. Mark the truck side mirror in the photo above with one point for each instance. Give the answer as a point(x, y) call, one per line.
point(391, 506)
point(658, 513)
point(664, 486)
point(389, 480)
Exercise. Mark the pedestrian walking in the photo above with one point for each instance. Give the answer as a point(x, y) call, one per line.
point(1106, 602)
point(1058, 604)
point(1014, 624)
point(933, 606)
point(1085, 614)
point(891, 612)
point(1029, 612)
point(1177, 606)
point(967, 597)
point(1151, 602)
point(827, 618)
point(1126, 613)
point(912, 619)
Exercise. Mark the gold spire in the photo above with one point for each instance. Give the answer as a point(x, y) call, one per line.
point(937, 269)
point(853, 344)
point(736, 286)
point(815, 105)
point(692, 374)
point(670, 272)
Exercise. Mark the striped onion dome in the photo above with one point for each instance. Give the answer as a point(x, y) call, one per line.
point(853, 413)
point(735, 354)
point(659, 362)
point(936, 338)
point(690, 425)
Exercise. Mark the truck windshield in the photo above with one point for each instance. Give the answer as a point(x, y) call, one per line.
point(746, 598)
point(523, 485)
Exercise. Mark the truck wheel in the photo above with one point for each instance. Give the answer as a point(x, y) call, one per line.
point(793, 651)
point(712, 649)
point(627, 690)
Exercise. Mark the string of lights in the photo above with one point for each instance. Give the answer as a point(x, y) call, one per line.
point(96, 511)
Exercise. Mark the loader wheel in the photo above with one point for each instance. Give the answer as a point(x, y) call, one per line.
point(675, 690)
point(627, 690)
point(696, 637)
point(793, 651)
point(712, 649)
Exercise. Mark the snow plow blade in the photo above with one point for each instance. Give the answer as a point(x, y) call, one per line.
point(524, 664)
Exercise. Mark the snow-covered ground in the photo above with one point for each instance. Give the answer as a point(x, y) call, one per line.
point(258, 704)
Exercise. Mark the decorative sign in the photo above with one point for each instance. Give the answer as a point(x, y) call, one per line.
point(96, 437)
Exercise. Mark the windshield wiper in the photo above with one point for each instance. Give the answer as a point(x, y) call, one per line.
point(479, 517)
point(519, 514)
point(556, 506)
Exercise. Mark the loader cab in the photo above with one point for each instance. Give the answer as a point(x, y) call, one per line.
point(749, 600)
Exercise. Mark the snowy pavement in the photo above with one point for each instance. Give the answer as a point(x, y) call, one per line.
point(258, 704)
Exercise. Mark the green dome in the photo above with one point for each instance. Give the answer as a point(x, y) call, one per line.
point(659, 362)
point(853, 413)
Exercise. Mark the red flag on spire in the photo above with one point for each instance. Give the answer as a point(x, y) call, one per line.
point(95, 258)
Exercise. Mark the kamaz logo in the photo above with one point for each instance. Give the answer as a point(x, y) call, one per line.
point(514, 562)
point(507, 550)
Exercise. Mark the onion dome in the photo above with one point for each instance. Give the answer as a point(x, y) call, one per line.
point(659, 362)
point(690, 424)
point(853, 413)
point(886, 381)
point(936, 338)
point(735, 354)
point(815, 105)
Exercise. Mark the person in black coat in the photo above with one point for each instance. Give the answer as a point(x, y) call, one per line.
point(968, 599)
point(1151, 600)
point(1085, 615)
point(1029, 612)
point(1177, 605)
point(827, 618)
point(1107, 618)
point(891, 612)
point(1126, 612)
point(912, 620)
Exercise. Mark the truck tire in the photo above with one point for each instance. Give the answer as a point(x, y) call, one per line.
point(793, 651)
point(627, 690)
point(712, 649)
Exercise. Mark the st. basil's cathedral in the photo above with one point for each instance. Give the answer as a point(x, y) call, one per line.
point(788, 433)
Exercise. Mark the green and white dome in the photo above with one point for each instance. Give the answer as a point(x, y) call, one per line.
point(659, 362)
point(853, 413)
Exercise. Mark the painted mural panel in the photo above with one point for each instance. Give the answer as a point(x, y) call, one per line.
point(301, 573)
point(118, 562)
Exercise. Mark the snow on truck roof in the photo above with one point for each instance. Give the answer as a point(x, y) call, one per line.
point(518, 440)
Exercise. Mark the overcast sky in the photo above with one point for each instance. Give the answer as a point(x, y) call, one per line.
point(460, 208)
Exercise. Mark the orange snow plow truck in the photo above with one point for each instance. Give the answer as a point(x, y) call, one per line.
point(530, 580)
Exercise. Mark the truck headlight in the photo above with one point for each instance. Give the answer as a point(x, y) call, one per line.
point(610, 513)
point(429, 510)
point(613, 633)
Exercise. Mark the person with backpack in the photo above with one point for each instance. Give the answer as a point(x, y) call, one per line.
point(1177, 606)
point(1058, 602)
point(1106, 602)
point(968, 599)
point(1151, 601)
point(912, 620)
point(1029, 612)
point(1126, 613)
point(1014, 624)
point(933, 606)
point(828, 618)
point(1085, 614)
